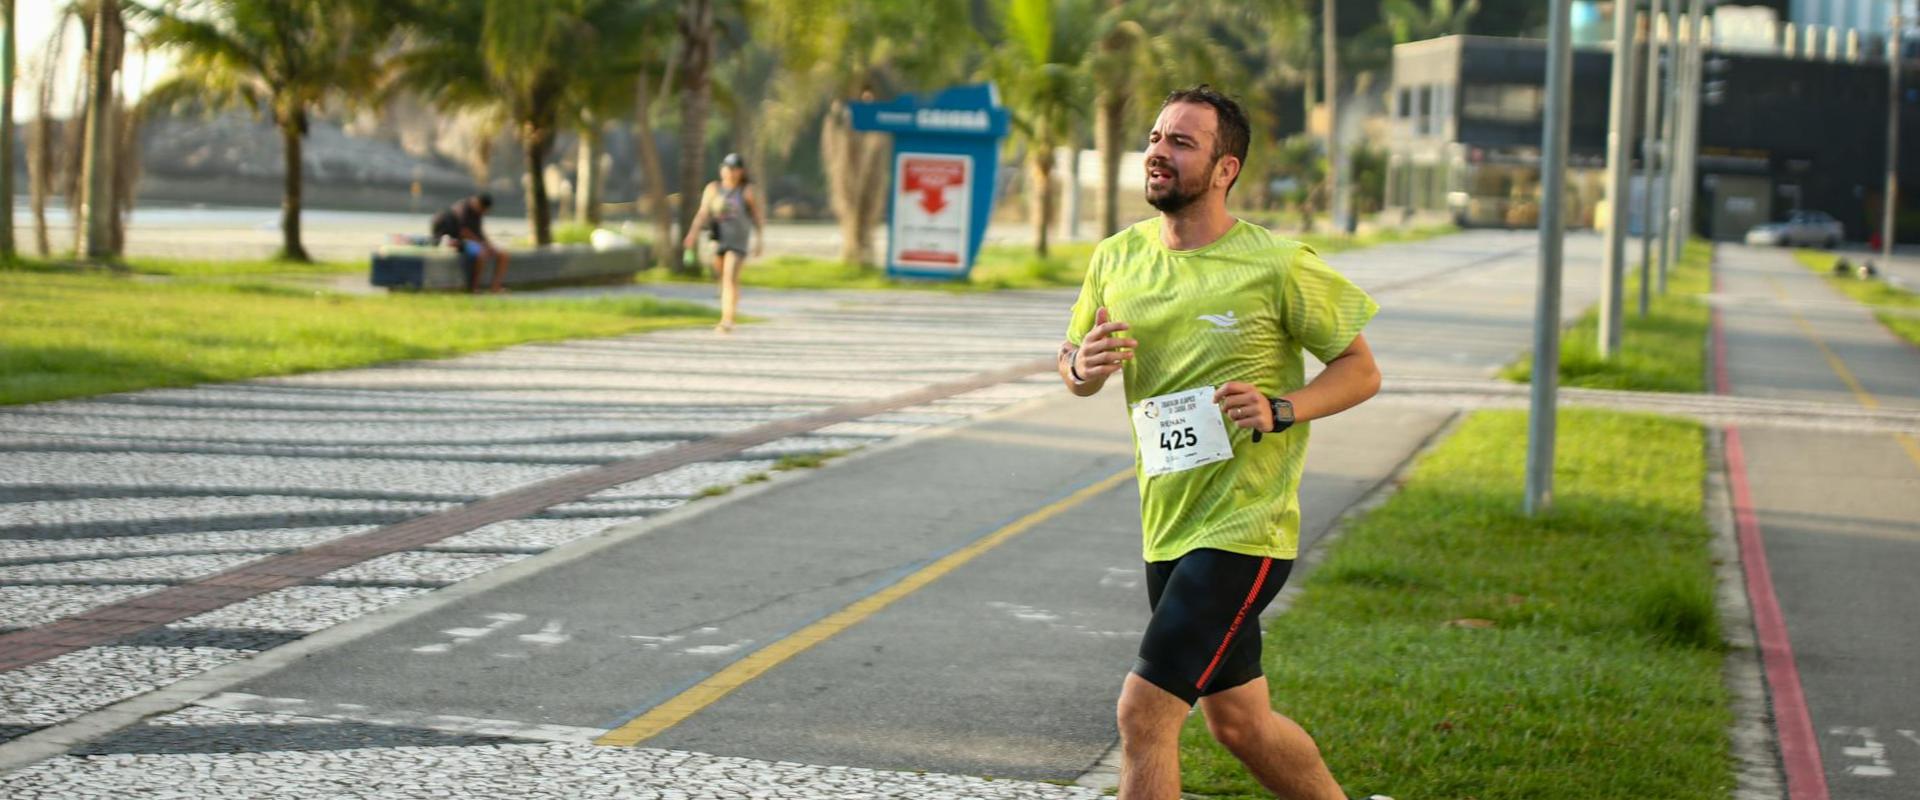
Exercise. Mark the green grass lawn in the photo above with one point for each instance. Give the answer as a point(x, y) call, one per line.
point(1451, 647)
point(1662, 352)
point(999, 267)
point(197, 268)
point(71, 335)
point(1898, 309)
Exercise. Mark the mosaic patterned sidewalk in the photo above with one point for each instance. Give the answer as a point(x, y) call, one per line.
point(109, 499)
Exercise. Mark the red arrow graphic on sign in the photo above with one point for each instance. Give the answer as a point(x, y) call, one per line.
point(934, 199)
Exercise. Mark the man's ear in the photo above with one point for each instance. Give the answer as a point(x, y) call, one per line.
point(1226, 170)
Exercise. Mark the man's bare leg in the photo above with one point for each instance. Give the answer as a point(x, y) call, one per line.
point(1279, 753)
point(1150, 720)
point(499, 269)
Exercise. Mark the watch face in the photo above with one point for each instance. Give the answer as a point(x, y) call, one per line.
point(1282, 411)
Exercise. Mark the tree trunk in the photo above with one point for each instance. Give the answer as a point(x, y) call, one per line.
point(874, 171)
point(291, 248)
point(840, 157)
point(586, 192)
point(666, 247)
point(6, 132)
point(1041, 196)
point(696, 61)
point(1109, 116)
point(534, 143)
point(96, 202)
point(40, 178)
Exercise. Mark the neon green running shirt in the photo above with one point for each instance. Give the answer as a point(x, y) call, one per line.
point(1240, 309)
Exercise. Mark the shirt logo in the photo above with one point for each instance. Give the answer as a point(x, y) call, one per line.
point(1223, 322)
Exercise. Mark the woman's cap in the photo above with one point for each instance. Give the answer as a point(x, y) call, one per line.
point(733, 160)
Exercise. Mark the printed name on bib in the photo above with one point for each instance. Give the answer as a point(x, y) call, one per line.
point(1180, 431)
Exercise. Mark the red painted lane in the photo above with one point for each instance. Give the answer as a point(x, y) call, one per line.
point(1799, 749)
point(1793, 723)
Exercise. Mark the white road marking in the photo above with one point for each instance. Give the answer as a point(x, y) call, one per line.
point(716, 649)
point(349, 712)
point(464, 635)
point(1870, 749)
point(1121, 578)
point(549, 635)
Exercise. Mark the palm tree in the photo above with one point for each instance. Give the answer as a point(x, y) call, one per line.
point(835, 51)
point(43, 167)
point(698, 33)
point(1133, 69)
point(1040, 67)
point(608, 81)
point(106, 37)
point(283, 57)
point(6, 132)
point(514, 60)
point(1408, 22)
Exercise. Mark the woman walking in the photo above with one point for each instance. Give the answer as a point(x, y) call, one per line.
point(732, 218)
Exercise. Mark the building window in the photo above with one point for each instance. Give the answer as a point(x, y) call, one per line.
point(1502, 103)
point(1424, 97)
point(1404, 108)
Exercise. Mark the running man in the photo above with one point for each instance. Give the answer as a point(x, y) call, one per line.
point(1205, 316)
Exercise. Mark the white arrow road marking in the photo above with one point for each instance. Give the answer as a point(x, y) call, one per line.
point(549, 635)
point(464, 635)
point(1870, 749)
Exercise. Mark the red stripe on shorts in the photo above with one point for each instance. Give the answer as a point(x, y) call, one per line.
point(1252, 595)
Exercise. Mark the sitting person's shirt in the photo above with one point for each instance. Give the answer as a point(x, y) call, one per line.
point(453, 219)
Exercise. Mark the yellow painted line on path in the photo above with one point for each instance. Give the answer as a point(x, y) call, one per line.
point(681, 706)
point(1839, 367)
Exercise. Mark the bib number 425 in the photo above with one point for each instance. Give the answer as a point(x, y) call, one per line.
point(1176, 438)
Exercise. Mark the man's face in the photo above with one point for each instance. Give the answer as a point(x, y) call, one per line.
point(1181, 166)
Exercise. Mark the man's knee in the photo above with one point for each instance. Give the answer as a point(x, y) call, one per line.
point(1148, 713)
point(1235, 732)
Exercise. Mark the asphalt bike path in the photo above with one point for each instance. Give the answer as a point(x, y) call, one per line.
point(1006, 667)
point(1835, 516)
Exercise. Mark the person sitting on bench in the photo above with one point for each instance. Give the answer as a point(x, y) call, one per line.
point(458, 227)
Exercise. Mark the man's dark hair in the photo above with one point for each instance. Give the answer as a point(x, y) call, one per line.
point(484, 200)
point(1232, 132)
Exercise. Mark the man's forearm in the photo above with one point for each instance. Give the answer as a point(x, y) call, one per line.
point(1346, 382)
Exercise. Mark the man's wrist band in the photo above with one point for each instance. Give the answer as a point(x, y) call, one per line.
point(1072, 357)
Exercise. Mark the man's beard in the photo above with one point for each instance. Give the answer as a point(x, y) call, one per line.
point(1179, 194)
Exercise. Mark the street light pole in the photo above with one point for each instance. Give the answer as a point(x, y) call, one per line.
point(1650, 152)
point(1546, 312)
point(1669, 134)
point(1619, 174)
point(1336, 166)
point(6, 130)
point(1892, 201)
point(1687, 134)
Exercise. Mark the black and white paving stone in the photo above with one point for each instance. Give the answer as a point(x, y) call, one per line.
point(301, 608)
point(421, 568)
point(225, 753)
point(56, 689)
point(27, 606)
point(109, 497)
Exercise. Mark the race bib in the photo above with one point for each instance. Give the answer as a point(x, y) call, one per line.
point(1180, 431)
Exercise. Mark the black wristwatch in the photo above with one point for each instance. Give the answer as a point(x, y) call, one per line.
point(1282, 415)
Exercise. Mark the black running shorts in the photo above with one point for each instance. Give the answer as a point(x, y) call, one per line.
point(1205, 633)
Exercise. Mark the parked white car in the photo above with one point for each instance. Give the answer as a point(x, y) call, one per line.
point(1802, 229)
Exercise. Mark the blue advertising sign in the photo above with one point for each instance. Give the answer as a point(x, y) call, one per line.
point(946, 160)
